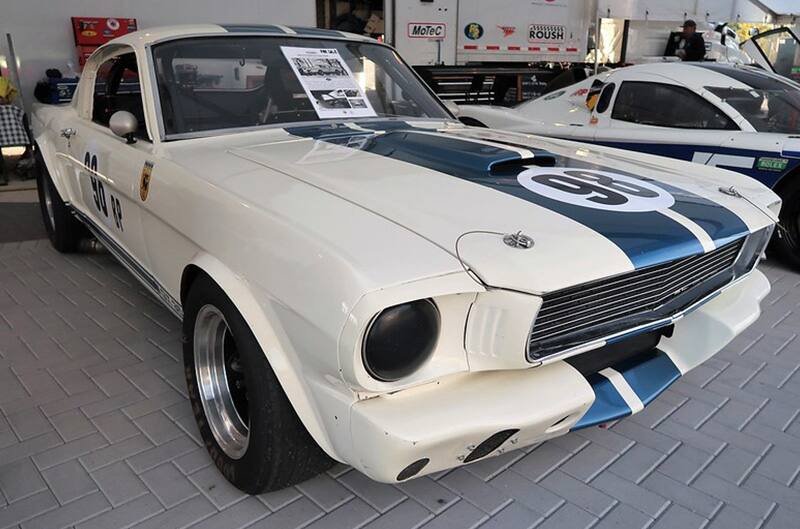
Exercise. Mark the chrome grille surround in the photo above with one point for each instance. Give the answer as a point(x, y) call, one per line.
point(642, 299)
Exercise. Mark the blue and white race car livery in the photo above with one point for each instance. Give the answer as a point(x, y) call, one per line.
point(739, 118)
point(369, 281)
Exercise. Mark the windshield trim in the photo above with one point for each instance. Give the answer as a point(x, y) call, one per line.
point(219, 132)
point(272, 126)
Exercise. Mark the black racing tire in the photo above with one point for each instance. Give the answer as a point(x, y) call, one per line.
point(786, 240)
point(279, 451)
point(63, 229)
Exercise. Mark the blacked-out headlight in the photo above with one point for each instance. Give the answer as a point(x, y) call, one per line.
point(400, 339)
point(751, 250)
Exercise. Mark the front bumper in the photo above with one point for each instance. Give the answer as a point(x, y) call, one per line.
point(450, 422)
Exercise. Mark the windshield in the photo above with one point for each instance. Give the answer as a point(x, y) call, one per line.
point(767, 110)
point(213, 83)
point(782, 50)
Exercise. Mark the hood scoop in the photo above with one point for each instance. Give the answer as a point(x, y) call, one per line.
point(502, 168)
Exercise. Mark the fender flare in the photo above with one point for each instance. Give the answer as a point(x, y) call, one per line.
point(297, 391)
point(50, 157)
point(787, 179)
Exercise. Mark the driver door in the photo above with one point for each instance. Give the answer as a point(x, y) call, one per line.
point(109, 170)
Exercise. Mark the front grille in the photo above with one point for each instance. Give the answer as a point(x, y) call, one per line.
point(579, 314)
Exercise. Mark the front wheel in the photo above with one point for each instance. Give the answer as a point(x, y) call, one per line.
point(787, 241)
point(247, 423)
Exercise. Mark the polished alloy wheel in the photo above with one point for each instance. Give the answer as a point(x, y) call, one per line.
point(220, 381)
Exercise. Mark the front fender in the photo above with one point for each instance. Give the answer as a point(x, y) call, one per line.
point(42, 121)
point(259, 316)
point(54, 166)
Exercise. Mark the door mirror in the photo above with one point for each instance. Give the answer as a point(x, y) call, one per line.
point(124, 124)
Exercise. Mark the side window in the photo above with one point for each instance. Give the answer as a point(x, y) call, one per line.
point(605, 98)
point(666, 105)
point(116, 87)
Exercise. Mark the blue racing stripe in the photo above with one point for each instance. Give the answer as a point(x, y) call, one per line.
point(650, 376)
point(720, 223)
point(607, 406)
point(647, 238)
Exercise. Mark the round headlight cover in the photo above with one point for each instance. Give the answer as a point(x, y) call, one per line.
point(400, 339)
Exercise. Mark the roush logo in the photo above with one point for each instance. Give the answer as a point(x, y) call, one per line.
point(427, 30)
point(546, 33)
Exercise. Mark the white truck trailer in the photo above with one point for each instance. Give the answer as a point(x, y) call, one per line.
point(502, 51)
point(507, 50)
point(461, 32)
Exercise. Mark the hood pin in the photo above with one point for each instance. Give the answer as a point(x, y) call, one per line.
point(518, 240)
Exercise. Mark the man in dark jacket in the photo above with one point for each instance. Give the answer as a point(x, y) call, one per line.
point(691, 47)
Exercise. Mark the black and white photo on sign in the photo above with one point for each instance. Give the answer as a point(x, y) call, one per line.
point(328, 82)
point(318, 66)
point(330, 99)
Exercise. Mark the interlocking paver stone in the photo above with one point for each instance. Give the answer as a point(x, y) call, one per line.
point(20, 479)
point(381, 497)
point(569, 516)
point(513, 516)
point(72, 424)
point(729, 517)
point(96, 432)
point(169, 485)
point(296, 514)
point(69, 514)
point(27, 508)
point(119, 483)
point(677, 517)
point(126, 515)
point(237, 515)
point(628, 492)
point(69, 481)
point(577, 492)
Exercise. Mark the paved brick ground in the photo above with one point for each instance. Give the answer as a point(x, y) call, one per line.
point(96, 432)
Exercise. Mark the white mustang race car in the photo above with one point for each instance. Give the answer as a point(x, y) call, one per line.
point(377, 283)
point(737, 117)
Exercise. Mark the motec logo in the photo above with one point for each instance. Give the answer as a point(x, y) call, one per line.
point(548, 33)
point(427, 30)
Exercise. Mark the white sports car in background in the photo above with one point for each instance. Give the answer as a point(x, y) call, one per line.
point(380, 284)
point(736, 117)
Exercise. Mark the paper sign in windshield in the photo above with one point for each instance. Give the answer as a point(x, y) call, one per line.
point(328, 82)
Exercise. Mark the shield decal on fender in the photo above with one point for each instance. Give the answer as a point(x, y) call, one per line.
point(144, 180)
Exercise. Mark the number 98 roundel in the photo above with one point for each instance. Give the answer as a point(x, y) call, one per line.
point(596, 189)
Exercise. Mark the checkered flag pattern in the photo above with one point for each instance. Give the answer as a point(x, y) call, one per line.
point(12, 128)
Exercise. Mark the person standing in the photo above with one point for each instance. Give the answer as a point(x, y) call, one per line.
point(691, 47)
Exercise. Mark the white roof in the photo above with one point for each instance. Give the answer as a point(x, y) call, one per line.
point(694, 75)
point(147, 36)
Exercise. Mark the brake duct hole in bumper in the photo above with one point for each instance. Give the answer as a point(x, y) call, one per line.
point(486, 447)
